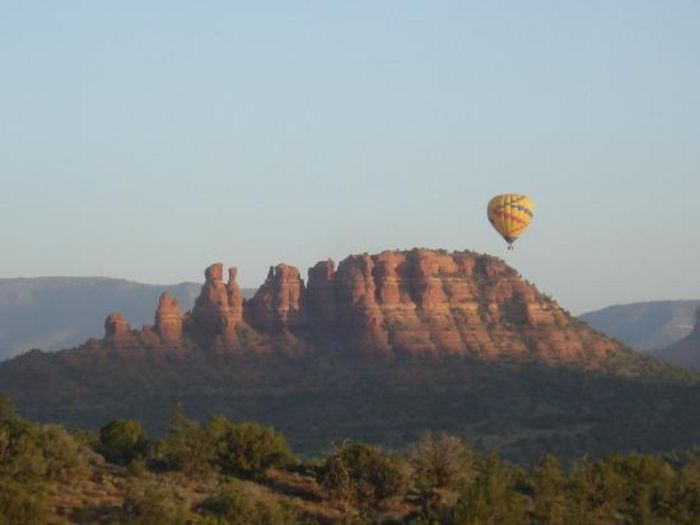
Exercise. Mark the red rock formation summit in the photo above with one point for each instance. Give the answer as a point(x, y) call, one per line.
point(411, 303)
point(168, 320)
point(218, 310)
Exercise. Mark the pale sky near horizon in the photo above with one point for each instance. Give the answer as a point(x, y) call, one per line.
point(145, 140)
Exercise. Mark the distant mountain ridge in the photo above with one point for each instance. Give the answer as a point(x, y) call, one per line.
point(52, 313)
point(645, 326)
point(685, 352)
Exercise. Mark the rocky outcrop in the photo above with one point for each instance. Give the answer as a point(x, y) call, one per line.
point(319, 300)
point(217, 310)
point(235, 298)
point(432, 303)
point(417, 303)
point(168, 323)
point(276, 306)
point(359, 320)
point(117, 328)
point(685, 352)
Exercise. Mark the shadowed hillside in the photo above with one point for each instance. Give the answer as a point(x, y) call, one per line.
point(521, 408)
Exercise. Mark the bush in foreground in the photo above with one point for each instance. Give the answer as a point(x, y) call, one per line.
point(152, 505)
point(30, 452)
point(21, 503)
point(240, 449)
point(362, 474)
point(122, 441)
point(236, 504)
point(188, 448)
point(249, 449)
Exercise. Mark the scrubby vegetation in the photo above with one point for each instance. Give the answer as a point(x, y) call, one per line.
point(239, 449)
point(221, 472)
point(122, 441)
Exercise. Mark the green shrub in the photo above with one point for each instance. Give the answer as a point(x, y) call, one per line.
point(491, 499)
point(65, 458)
point(21, 455)
point(152, 505)
point(86, 438)
point(640, 488)
point(548, 487)
point(248, 449)
point(7, 411)
point(122, 441)
point(240, 449)
point(443, 465)
point(188, 448)
point(235, 504)
point(362, 473)
point(32, 452)
point(138, 468)
point(22, 504)
point(441, 461)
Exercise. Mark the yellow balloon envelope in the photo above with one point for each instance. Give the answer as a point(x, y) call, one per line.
point(510, 214)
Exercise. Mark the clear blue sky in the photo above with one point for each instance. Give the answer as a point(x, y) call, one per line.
point(147, 139)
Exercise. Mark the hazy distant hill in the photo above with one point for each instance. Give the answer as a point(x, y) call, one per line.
point(645, 326)
point(685, 352)
point(60, 312)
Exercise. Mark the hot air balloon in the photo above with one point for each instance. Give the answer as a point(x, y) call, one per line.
point(510, 214)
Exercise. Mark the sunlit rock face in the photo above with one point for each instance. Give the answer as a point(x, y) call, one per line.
point(168, 322)
point(217, 310)
point(276, 306)
point(394, 304)
point(432, 303)
point(117, 328)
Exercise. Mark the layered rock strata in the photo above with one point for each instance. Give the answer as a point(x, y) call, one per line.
point(218, 309)
point(420, 303)
point(276, 306)
point(168, 322)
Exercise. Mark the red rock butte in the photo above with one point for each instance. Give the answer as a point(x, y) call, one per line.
point(419, 303)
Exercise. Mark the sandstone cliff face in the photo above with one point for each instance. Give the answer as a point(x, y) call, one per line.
point(168, 323)
point(319, 300)
point(117, 328)
point(417, 303)
point(359, 319)
point(428, 303)
point(276, 306)
point(217, 310)
point(235, 298)
point(685, 352)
